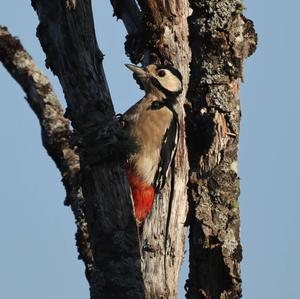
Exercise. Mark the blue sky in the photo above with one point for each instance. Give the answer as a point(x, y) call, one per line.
point(38, 257)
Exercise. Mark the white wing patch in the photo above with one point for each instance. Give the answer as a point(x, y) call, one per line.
point(146, 166)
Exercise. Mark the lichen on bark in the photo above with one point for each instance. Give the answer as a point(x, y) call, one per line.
point(221, 38)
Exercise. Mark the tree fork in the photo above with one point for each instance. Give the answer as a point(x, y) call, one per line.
point(208, 41)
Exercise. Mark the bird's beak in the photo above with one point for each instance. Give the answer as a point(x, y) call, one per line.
point(139, 71)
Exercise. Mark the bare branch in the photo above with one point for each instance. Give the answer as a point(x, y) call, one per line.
point(40, 96)
point(129, 12)
point(54, 126)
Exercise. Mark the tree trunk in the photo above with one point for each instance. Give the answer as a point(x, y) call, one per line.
point(163, 234)
point(221, 38)
point(208, 41)
point(66, 32)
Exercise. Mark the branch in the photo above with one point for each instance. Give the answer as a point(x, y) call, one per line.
point(67, 35)
point(129, 12)
point(54, 126)
point(40, 97)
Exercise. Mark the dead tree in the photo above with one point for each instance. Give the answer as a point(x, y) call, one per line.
point(208, 41)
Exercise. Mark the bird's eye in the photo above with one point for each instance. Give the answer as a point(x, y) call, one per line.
point(161, 73)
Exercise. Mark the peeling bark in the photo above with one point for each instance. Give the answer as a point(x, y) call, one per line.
point(165, 230)
point(221, 39)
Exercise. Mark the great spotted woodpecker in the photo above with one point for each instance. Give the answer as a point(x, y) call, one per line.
point(153, 124)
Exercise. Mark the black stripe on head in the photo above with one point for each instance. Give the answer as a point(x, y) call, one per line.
point(170, 96)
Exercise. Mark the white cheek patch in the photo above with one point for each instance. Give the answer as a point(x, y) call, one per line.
point(170, 82)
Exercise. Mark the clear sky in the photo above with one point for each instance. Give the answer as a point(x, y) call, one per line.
point(38, 258)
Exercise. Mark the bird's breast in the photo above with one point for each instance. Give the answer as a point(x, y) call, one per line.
point(148, 127)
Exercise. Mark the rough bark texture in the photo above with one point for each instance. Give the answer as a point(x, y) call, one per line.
point(66, 32)
point(221, 39)
point(54, 127)
point(163, 237)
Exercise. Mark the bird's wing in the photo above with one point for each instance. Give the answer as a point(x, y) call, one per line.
point(167, 153)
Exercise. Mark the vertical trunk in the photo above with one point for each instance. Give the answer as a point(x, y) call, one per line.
point(66, 32)
point(220, 38)
point(163, 234)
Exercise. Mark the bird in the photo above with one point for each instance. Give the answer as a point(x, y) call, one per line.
point(153, 125)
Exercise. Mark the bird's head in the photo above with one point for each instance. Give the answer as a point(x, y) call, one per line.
point(158, 79)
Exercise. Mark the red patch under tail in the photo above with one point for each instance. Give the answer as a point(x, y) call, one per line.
point(143, 196)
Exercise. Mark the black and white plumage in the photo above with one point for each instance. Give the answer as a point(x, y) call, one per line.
point(153, 123)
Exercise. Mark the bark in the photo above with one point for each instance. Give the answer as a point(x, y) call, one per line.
point(66, 33)
point(54, 128)
point(221, 39)
point(129, 12)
